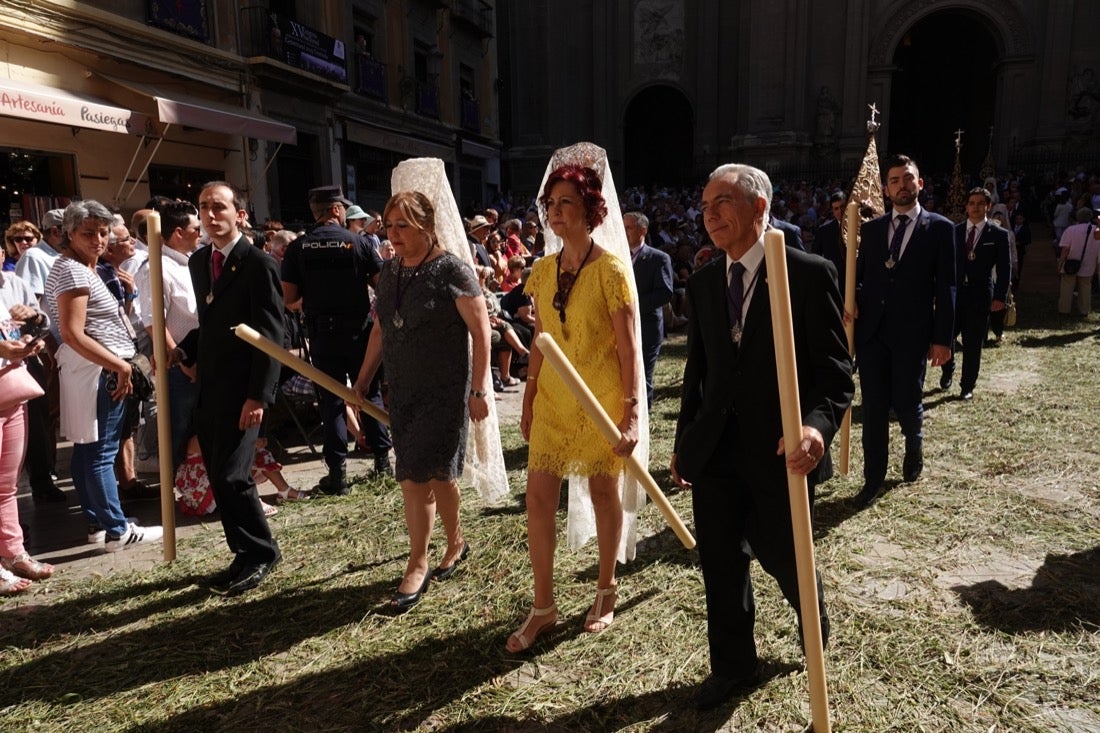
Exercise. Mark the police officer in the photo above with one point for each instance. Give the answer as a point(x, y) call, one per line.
point(330, 269)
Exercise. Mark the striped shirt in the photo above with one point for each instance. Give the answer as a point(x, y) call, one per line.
point(103, 321)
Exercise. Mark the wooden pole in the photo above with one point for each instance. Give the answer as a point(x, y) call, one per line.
point(160, 378)
point(783, 333)
point(250, 335)
point(561, 364)
point(851, 246)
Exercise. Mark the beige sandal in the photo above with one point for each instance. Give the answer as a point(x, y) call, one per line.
point(292, 494)
point(597, 619)
point(520, 641)
point(10, 585)
point(27, 567)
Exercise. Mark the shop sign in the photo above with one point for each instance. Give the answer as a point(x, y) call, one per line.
point(44, 104)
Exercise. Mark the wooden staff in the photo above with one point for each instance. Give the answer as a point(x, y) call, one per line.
point(851, 245)
point(160, 378)
point(250, 335)
point(561, 364)
point(783, 333)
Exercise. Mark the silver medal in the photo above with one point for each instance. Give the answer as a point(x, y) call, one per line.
point(890, 263)
point(735, 333)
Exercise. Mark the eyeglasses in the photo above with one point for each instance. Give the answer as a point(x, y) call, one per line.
point(20, 240)
point(127, 240)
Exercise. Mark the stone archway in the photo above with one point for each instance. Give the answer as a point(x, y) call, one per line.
point(944, 79)
point(905, 28)
point(658, 137)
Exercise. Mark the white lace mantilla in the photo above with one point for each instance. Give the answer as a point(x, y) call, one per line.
point(484, 468)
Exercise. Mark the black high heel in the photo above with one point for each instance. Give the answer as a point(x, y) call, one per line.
point(442, 573)
point(405, 601)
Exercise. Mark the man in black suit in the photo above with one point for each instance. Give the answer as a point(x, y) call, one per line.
point(982, 249)
point(792, 234)
point(829, 236)
point(234, 283)
point(905, 311)
point(653, 276)
point(730, 423)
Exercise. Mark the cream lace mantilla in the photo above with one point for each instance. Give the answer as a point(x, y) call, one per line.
point(484, 468)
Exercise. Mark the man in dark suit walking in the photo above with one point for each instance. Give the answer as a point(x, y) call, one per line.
point(905, 312)
point(730, 423)
point(981, 249)
point(829, 236)
point(234, 283)
point(653, 275)
point(792, 234)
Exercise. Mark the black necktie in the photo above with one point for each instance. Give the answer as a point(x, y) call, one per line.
point(900, 222)
point(735, 296)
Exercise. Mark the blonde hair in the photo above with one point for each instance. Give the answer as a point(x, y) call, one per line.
point(415, 208)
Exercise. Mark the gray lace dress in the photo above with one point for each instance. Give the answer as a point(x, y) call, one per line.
point(427, 360)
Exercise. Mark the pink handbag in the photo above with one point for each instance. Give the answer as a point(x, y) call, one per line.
point(17, 386)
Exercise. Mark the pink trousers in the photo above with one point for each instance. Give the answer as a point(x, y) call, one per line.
point(13, 446)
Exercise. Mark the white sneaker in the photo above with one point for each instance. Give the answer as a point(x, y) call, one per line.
point(96, 535)
point(134, 535)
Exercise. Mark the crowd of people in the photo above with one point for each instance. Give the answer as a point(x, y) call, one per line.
point(415, 299)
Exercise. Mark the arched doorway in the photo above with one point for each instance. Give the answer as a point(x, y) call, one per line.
point(945, 79)
point(657, 131)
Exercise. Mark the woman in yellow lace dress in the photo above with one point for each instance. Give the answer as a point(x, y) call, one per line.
point(583, 298)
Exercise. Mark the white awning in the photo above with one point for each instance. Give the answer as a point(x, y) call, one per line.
point(179, 109)
point(47, 104)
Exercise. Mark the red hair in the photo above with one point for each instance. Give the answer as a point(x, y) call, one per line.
point(589, 187)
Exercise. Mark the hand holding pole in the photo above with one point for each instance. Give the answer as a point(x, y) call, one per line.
point(779, 293)
point(561, 364)
point(251, 336)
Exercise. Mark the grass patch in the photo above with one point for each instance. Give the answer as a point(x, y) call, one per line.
point(968, 601)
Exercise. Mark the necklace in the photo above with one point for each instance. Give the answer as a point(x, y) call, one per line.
point(566, 280)
point(398, 320)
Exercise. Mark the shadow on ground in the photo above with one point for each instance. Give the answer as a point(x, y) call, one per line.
point(1064, 594)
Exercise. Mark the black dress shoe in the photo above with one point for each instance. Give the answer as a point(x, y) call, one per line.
point(405, 601)
point(716, 689)
point(442, 573)
point(945, 380)
point(47, 493)
point(220, 581)
point(868, 495)
point(912, 466)
point(250, 576)
point(967, 395)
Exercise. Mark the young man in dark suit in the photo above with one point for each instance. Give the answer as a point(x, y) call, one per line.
point(234, 283)
point(729, 437)
point(653, 276)
point(829, 236)
point(905, 315)
point(981, 249)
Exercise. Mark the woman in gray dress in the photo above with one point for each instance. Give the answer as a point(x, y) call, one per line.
point(429, 304)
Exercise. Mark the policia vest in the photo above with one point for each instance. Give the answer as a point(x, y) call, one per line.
point(332, 268)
